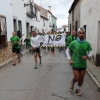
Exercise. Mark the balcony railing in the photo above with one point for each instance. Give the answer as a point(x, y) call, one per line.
point(30, 13)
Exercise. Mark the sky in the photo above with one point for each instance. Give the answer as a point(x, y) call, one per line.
point(59, 8)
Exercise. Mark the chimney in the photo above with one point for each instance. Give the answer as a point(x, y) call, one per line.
point(49, 8)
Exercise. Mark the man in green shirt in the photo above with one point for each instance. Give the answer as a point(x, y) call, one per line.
point(15, 47)
point(28, 43)
point(70, 38)
point(81, 52)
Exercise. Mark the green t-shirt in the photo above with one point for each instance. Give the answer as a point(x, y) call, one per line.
point(15, 39)
point(69, 39)
point(28, 40)
point(79, 49)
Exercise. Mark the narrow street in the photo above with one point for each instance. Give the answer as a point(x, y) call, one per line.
point(50, 81)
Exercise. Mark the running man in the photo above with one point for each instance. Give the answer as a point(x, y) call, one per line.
point(81, 52)
point(15, 47)
point(35, 43)
point(71, 38)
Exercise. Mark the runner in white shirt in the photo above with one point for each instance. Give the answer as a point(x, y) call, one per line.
point(35, 43)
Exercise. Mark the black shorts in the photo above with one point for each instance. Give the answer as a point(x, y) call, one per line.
point(79, 69)
point(37, 50)
point(15, 50)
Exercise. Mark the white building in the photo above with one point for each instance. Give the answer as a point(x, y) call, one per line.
point(90, 18)
point(23, 16)
point(44, 20)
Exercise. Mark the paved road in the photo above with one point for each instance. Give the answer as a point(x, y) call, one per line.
point(49, 82)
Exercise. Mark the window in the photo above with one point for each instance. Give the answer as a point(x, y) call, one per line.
point(64, 29)
point(42, 30)
point(31, 28)
point(3, 31)
point(53, 25)
point(43, 22)
point(20, 26)
point(73, 15)
point(76, 26)
point(27, 28)
point(15, 25)
point(70, 29)
point(84, 26)
point(38, 31)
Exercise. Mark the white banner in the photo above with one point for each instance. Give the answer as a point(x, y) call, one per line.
point(54, 40)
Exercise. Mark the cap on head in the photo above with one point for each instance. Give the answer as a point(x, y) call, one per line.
point(81, 28)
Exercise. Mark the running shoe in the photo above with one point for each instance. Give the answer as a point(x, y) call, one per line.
point(40, 64)
point(78, 92)
point(35, 67)
point(53, 53)
point(14, 64)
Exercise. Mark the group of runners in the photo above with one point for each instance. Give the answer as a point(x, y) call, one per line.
point(78, 50)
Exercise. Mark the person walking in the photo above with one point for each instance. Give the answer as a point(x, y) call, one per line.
point(20, 36)
point(15, 40)
point(35, 43)
point(81, 52)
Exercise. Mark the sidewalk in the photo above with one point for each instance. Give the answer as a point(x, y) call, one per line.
point(10, 60)
point(94, 73)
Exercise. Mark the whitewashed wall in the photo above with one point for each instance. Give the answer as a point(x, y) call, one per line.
point(42, 25)
point(15, 10)
point(90, 15)
point(9, 16)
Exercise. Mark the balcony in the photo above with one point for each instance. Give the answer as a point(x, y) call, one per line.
point(31, 15)
point(31, 10)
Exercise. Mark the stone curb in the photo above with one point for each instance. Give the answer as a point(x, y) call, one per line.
point(93, 78)
point(10, 60)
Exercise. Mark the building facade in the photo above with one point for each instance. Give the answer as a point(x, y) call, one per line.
point(90, 18)
point(6, 28)
point(44, 20)
point(74, 16)
point(23, 16)
point(85, 13)
point(54, 21)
